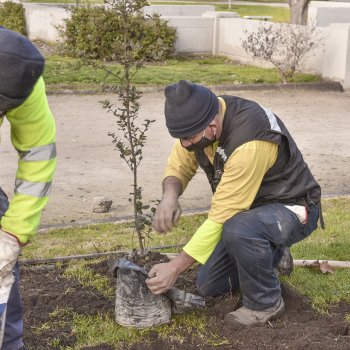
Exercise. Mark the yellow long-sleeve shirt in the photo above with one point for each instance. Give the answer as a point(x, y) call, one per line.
point(240, 182)
point(33, 134)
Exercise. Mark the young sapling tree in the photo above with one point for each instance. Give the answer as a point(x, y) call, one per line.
point(131, 53)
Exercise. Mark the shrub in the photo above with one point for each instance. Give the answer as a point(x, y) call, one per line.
point(283, 45)
point(12, 17)
point(95, 33)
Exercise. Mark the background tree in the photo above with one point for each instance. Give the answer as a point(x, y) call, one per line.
point(298, 11)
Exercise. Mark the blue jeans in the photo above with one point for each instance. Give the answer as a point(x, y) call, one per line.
point(251, 247)
point(14, 315)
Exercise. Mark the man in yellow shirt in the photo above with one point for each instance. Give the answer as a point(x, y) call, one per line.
point(264, 198)
point(33, 134)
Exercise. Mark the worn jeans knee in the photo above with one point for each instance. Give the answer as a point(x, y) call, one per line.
point(218, 276)
point(254, 239)
point(246, 243)
point(205, 288)
point(232, 232)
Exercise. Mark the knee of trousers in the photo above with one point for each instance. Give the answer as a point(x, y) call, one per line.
point(204, 287)
point(204, 290)
point(211, 286)
point(233, 231)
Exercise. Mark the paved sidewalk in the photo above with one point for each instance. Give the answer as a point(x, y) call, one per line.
point(89, 166)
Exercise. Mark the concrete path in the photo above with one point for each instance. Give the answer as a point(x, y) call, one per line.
point(89, 166)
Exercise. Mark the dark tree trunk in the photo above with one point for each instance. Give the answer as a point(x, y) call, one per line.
point(298, 11)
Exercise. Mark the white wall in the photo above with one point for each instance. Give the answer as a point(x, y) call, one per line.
point(178, 10)
point(213, 33)
point(194, 34)
point(217, 16)
point(231, 35)
point(324, 13)
point(336, 63)
point(232, 32)
point(42, 20)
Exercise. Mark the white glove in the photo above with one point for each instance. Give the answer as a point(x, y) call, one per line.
point(9, 252)
point(300, 211)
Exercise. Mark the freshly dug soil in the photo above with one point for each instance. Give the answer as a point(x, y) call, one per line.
point(45, 290)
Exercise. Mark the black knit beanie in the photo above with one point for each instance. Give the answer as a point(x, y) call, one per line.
point(21, 64)
point(189, 108)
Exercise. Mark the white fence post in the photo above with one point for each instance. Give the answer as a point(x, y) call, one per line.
point(216, 26)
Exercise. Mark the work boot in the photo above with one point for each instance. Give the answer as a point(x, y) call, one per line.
point(285, 266)
point(244, 317)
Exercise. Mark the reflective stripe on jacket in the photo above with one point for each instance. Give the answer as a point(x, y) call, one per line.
point(33, 134)
point(289, 180)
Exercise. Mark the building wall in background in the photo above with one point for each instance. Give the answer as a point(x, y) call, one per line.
point(178, 10)
point(324, 13)
point(201, 30)
point(42, 20)
point(194, 34)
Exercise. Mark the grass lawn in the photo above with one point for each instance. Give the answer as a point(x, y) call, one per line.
point(323, 290)
point(214, 2)
point(62, 72)
point(333, 243)
point(279, 14)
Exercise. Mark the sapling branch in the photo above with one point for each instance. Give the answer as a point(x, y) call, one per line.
point(133, 136)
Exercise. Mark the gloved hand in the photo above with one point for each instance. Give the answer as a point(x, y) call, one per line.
point(9, 252)
point(167, 214)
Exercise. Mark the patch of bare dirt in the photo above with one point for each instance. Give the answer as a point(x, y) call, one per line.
point(47, 291)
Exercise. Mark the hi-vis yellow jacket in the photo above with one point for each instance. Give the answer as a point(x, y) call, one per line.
point(33, 134)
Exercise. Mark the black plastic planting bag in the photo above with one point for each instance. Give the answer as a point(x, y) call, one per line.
point(137, 306)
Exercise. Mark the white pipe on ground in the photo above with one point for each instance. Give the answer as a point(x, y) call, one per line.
point(331, 263)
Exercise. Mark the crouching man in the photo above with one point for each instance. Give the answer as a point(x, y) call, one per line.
point(264, 199)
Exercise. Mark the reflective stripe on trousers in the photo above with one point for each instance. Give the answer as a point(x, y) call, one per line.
point(38, 154)
point(34, 189)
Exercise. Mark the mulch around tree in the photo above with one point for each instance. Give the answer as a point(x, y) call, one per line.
point(45, 290)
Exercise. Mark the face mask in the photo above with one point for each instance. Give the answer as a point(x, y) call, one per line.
point(202, 143)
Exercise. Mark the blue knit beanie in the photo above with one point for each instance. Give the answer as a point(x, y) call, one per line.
point(21, 64)
point(189, 108)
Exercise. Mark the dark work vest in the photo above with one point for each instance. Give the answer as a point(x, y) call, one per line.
point(289, 180)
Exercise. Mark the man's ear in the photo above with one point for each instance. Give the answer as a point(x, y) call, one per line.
point(214, 122)
point(213, 127)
